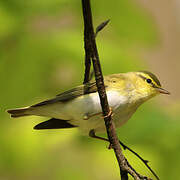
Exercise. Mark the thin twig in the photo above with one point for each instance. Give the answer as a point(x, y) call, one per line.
point(143, 160)
point(87, 37)
point(101, 26)
point(98, 29)
point(93, 135)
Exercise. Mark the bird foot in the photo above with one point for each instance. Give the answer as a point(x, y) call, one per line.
point(110, 113)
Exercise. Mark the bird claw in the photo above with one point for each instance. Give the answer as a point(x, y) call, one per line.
point(110, 113)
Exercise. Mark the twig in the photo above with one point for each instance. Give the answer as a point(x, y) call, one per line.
point(93, 135)
point(143, 160)
point(101, 26)
point(87, 38)
point(98, 29)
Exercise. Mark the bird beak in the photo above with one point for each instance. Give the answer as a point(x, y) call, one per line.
point(163, 91)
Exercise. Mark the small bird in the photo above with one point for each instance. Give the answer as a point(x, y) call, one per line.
point(80, 107)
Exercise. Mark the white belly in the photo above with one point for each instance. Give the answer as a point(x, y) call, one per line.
point(91, 105)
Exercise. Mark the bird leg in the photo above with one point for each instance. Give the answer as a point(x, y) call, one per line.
point(93, 135)
point(110, 113)
point(87, 116)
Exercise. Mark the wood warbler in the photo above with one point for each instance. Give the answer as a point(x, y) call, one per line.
point(80, 107)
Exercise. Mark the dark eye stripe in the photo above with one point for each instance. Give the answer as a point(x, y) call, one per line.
point(155, 79)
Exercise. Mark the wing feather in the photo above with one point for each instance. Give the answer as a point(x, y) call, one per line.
point(71, 94)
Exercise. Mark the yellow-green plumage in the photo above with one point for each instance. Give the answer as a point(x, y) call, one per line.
point(81, 106)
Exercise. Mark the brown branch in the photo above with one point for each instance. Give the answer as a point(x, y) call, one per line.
point(91, 53)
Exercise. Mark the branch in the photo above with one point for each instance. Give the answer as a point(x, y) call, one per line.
point(91, 53)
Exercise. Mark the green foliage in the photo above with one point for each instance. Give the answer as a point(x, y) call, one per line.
point(41, 54)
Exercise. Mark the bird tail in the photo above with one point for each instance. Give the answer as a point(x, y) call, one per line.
point(19, 112)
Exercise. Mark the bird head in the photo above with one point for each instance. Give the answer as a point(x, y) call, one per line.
point(146, 85)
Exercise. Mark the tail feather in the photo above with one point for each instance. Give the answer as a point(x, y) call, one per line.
point(15, 113)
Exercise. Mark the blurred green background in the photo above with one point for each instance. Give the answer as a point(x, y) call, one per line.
point(41, 55)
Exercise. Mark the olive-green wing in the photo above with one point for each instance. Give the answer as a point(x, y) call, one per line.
point(71, 94)
point(78, 91)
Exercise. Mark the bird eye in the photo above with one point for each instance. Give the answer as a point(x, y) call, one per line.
point(149, 81)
